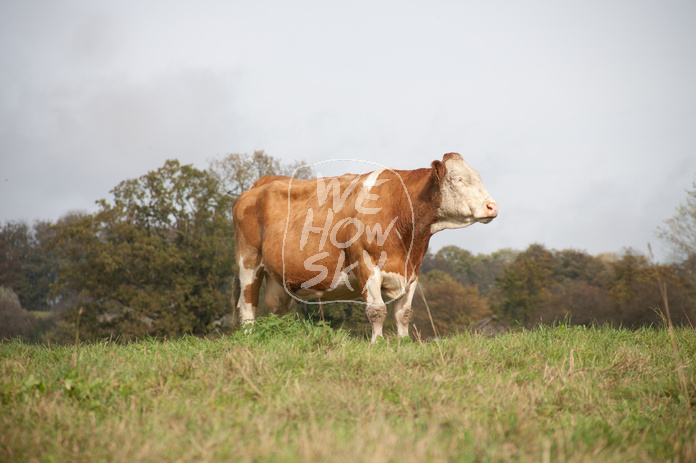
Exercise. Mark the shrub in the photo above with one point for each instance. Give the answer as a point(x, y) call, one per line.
point(14, 320)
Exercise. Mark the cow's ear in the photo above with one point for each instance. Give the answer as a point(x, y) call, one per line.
point(438, 171)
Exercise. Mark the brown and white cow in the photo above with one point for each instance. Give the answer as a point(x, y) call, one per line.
point(349, 237)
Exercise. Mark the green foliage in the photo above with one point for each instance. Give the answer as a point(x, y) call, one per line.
point(469, 270)
point(546, 286)
point(570, 264)
point(157, 260)
point(237, 173)
point(454, 307)
point(631, 283)
point(460, 260)
point(349, 316)
point(307, 393)
point(26, 265)
point(289, 330)
point(14, 320)
point(273, 325)
point(525, 282)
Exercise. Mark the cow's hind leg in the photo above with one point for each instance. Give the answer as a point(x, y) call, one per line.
point(277, 299)
point(403, 311)
point(250, 278)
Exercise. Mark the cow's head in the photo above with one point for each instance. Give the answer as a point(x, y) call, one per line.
point(464, 200)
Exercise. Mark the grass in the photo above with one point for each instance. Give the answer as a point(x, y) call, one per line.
point(42, 315)
point(296, 392)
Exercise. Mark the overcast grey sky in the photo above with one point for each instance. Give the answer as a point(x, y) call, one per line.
point(580, 116)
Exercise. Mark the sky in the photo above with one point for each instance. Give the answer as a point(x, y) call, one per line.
point(579, 116)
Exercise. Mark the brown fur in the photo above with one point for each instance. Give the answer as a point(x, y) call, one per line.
point(260, 217)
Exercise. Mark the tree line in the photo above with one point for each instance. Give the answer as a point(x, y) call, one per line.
point(158, 258)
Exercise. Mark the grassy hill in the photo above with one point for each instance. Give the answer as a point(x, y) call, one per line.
point(295, 392)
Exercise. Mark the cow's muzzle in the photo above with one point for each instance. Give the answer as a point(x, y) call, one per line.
point(490, 212)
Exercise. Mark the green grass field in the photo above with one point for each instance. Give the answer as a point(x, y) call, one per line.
point(295, 392)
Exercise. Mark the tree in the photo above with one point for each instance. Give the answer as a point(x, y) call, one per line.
point(577, 302)
point(15, 238)
point(628, 274)
point(236, 173)
point(14, 320)
point(487, 268)
point(461, 261)
point(525, 283)
point(25, 264)
point(632, 283)
point(679, 231)
point(156, 260)
point(578, 265)
point(454, 307)
point(430, 263)
point(469, 270)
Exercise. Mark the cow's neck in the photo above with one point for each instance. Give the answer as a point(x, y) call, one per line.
point(427, 204)
point(425, 196)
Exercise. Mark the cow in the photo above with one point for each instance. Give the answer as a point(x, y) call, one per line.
point(355, 236)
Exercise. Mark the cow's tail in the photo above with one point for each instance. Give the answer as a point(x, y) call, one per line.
point(236, 292)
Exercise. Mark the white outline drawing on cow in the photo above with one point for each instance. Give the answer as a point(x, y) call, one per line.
point(351, 236)
point(329, 230)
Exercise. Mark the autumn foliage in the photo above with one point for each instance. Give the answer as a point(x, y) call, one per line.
point(157, 258)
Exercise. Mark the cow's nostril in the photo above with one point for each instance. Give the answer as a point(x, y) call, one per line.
point(492, 208)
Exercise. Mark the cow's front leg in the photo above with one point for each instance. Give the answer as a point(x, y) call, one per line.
point(376, 309)
point(403, 311)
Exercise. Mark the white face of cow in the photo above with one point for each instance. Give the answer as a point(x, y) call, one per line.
point(465, 201)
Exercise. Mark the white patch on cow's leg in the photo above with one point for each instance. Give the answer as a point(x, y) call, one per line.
point(376, 309)
point(403, 311)
point(250, 283)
